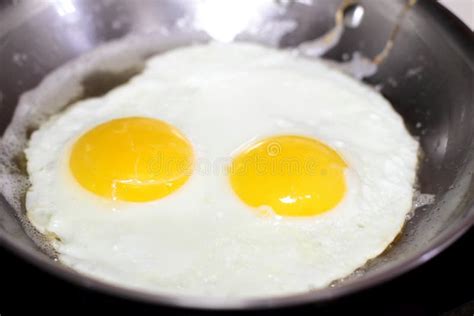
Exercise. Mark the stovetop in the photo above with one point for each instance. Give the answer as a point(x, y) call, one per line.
point(442, 286)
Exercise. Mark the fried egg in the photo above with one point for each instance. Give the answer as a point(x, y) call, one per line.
point(224, 170)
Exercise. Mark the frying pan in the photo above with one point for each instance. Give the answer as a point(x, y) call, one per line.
point(427, 76)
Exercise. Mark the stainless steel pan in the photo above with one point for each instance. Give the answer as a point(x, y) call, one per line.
point(428, 76)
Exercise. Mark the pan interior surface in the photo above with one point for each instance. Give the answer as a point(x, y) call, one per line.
point(428, 77)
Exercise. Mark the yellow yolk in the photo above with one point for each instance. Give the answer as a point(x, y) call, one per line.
point(294, 175)
point(133, 159)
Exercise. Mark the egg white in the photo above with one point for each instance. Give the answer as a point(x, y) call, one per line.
point(202, 240)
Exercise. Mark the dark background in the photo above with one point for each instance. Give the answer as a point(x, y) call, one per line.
point(442, 286)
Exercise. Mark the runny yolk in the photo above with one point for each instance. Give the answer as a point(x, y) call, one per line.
point(294, 175)
point(134, 159)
